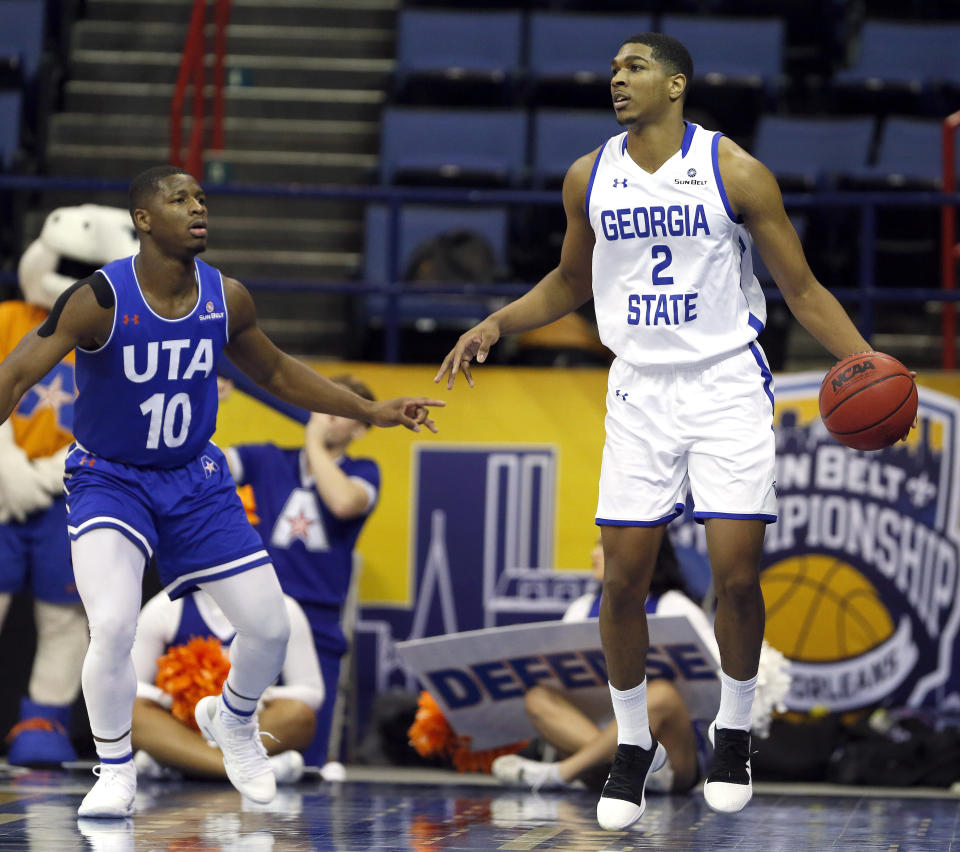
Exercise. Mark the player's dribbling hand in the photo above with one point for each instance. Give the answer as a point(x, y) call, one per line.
point(410, 411)
point(474, 343)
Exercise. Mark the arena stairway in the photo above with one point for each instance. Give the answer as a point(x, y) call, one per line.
point(305, 83)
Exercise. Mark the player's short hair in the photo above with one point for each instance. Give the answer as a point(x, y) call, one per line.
point(147, 183)
point(669, 52)
point(354, 384)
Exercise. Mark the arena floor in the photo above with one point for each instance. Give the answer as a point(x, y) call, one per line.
point(379, 808)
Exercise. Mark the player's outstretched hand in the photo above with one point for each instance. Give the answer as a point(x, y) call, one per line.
point(474, 343)
point(410, 411)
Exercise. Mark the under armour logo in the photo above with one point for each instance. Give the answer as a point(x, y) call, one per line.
point(620, 182)
point(135, 320)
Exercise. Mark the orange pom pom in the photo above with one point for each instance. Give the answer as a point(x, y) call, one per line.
point(431, 735)
point(190, 672)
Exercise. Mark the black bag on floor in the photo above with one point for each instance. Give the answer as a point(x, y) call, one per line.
point(911, 752)
point(796, 750)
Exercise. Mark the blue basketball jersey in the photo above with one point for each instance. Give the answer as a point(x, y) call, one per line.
point(148, 396)
point(311, 549)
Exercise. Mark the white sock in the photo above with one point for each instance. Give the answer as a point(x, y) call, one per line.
point(549, 780)
point(736, 701)
point(115, 751)
point(630, 708)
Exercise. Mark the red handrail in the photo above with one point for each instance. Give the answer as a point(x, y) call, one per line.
point(220, 50)
point(949, 248)
point(193, 71)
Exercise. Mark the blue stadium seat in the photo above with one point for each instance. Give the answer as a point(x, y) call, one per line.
point(21, 33)
point(418, 223)
point(459, 44)
point(10, 106)
point(744, 51)
point(578, 47)
point(909, 152)
point(904, 54)
point(468, 145)
point(561, 136)
point(813, 150)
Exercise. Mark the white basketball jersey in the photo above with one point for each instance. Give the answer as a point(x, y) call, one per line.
point(673, 275)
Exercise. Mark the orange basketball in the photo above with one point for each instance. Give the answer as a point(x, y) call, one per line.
point(868, 401)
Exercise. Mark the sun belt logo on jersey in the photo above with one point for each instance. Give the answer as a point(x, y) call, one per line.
point(860, 573)
point(691, 173)
point(211, 312)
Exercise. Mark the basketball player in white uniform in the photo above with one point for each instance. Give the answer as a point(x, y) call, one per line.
point(659, 223)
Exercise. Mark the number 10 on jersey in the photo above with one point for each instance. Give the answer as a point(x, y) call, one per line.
point(163, 413)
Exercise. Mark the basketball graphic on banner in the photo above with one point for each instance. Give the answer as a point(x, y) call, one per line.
point(820, 608)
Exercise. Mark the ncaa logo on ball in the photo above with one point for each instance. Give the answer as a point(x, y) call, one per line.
point(861, 369)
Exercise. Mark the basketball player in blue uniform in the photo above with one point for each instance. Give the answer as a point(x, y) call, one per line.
point(311, 504)
point(659, 224)
point(144, 480)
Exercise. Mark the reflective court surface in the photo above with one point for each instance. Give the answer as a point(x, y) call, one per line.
point(382, 808)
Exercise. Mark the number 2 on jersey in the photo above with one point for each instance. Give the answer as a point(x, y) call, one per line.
point(163, 414)
point(633, 302)
point(667, 258)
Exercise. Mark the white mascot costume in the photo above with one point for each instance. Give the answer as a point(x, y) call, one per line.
point(34, 548)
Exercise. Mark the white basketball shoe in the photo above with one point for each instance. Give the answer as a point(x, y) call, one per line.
point(244, 756)
point(113, 794)
point(287, 766)
point(516, 771)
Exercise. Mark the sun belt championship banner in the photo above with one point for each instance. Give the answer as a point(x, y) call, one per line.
point(860, 572)
point(479, 677)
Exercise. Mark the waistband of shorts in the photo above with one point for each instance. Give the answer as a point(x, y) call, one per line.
point(76, 445)
point(693, 368)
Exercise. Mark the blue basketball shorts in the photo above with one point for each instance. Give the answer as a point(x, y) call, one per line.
point(38, 550)
point(189, 517)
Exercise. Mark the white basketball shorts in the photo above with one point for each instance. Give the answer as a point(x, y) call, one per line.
point(706, 427)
